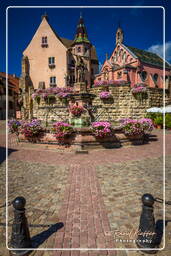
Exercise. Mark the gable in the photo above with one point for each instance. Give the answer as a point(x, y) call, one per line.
point(121, 56)
point(43, 30)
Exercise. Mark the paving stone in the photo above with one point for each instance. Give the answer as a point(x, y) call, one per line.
point(92, 195)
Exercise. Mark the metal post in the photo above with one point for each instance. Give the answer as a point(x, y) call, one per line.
point(20, 237)
point(147, 233)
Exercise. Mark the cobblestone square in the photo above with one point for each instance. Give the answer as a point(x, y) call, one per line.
point(93, 195)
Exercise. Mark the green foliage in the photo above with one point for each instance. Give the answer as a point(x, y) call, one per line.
point(152, 115)
point(158, 120)
point(168, 120)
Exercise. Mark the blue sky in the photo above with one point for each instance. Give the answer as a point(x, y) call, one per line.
point(143, 28)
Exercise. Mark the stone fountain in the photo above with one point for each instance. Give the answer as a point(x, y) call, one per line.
point(81, 98)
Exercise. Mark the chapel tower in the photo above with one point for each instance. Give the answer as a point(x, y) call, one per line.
point(119, 35)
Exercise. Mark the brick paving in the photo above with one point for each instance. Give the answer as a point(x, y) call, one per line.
point(90, 193)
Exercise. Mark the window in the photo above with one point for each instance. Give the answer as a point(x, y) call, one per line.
point(44, 41)
point(78, 49)
point(155, 77)
point(124, 57)
point(9, 92)
point(143, 76)
point(52, 81)
point(51, 61)
point(119, 75)
point(11, 105)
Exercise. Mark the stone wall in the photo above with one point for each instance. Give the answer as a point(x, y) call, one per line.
point(57, 111)
point(122, 104)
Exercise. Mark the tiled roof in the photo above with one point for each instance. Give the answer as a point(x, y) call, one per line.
point(93, 53)
point(148, 57)
point(66, 42)
point(81, 33)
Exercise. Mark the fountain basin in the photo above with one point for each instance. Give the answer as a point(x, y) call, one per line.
point(84, 139)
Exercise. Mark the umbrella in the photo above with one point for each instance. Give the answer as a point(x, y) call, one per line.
point(167, 109)
point(154, 110)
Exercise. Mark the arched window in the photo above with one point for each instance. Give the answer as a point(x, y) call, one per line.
point(166, 82)
point(155, 77)
point(106, 74)
point(124, 57)
point(143, 76)
point(79, 49)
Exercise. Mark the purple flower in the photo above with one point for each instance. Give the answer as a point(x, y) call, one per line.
point(139, 88)
point(102, 129)
point(105, 95)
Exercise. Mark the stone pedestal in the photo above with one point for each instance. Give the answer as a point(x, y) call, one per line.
point(80, 87)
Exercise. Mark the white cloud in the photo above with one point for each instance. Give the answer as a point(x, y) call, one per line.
point(158, 48)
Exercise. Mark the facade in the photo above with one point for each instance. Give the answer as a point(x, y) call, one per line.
point(134, 66)
point(50, 60)
point(13, 89)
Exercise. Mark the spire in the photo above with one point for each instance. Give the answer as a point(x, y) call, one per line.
point(81, 33)
point(119, 35)
point(44, 16)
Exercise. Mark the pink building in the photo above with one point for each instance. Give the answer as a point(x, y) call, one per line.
point(134, 66)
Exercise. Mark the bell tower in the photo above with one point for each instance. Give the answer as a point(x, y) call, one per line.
point(119, 35)
point(81, 48)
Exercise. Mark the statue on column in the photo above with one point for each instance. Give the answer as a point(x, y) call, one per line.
point(81, 69)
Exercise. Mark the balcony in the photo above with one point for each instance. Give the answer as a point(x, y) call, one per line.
point(44, 45)
point(51, 66)
point(52, 84)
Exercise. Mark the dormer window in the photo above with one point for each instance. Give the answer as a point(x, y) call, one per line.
point(51, 62)
point(52, 81)
point(44, 41)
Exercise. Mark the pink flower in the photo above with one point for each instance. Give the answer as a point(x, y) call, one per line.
point(105, 95)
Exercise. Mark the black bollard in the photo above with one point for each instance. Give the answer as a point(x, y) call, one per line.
point(20, 237)
point(146, 233)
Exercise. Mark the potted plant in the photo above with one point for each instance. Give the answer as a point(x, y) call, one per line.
point(32, 130)
point(101, 129)
point(62, 131)
point(36, 97)
point(139, 91)
point(168, 121)
point(63, 96)
point(132, 128)
point(158, 121)
point(105, 95)
point(14, 126)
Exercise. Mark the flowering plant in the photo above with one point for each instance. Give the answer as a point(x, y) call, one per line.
point(50, 93)
point(76, 110)
point(62, 95)
point(14, 126)
point(105, 95)
point(147, 124)
point(36, 97)
point(61, 130)
point(102, 129)
point(32, 129)
point(108, 82)
point(136, 127)
point(139, 88)
point(132, 127)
